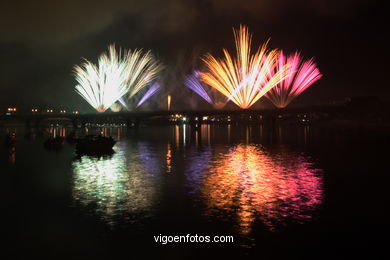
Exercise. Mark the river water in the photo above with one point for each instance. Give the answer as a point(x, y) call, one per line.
point(290, 190)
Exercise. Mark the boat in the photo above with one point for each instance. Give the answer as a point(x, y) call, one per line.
point(95, 145)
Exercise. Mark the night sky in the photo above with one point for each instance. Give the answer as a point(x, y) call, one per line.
point(41, 41)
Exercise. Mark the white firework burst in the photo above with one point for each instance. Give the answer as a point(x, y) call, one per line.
point(116, 74)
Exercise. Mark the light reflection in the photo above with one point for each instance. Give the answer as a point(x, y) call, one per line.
point(196, 137)
point(229, 130)
point(184, 134)
point(205, 133)
point(247, 183)
point(114, 185)
point(63, 132)
point(261, 133)
point(177, 136)
point(118, 134)
point(12, 154)
point(169, 158)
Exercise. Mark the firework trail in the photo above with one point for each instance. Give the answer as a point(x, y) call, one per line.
point(246, 78)
point(123, 103)
point(303, 74)
point(151, 91)
point(192, 82)
point(116, 74)
point(169, 102)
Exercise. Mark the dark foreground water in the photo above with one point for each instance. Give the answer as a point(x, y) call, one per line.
point(291, 191)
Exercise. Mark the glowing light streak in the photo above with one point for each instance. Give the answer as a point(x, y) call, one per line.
point(192, 82)
point(151, 91)
point(123, 103)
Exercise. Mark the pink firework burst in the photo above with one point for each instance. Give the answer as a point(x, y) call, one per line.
point(303, 74)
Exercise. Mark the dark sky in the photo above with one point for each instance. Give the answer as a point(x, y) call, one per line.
point(41, 41)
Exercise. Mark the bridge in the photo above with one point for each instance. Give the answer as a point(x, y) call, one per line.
point(134, 118)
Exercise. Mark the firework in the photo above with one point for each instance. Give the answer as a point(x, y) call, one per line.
point(302, 76)
point(192, 82)
point(116, 107)
point(123, 103)
point(246, 78)
point(210, 95)
point(116, 74)
point(151, 91)
point(144, 71)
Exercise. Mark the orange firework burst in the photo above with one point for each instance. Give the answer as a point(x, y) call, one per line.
point(246, 78)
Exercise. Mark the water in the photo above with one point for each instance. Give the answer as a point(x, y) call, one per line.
point(293, 190)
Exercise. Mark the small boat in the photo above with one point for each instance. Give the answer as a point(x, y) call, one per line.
point(95, 145)
point(54, 143)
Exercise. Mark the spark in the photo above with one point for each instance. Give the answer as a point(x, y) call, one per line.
point(303, 74)
point(151, 91)
point(246, 78)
